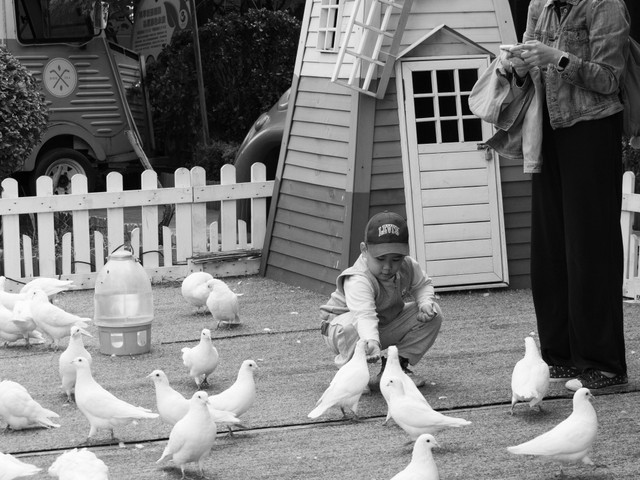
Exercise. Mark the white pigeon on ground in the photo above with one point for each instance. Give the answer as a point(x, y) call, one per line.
point(223, 303)
point(571, 440)
point(23, 319)
point(172, 406)
point(414, 416)
point(195, 290)
point(10, 331)
point(422, 465)
point(193, 436)
point(202, 359)
point(9, 299)
point(103, 410)
point(79, 465)
point(392, 369)
point(19, 410)
point(530, 377)
point(75, 349)
point(347, 385)
point(50, 286)
point(11, 467)
point(52, 320)
point(241, 395)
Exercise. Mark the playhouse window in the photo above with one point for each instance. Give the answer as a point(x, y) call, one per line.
point(441, 105)
point(329, 25)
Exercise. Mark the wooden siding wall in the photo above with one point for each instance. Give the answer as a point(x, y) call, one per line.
point(307, 226)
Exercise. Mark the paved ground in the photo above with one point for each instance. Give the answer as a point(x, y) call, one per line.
point(468, 369)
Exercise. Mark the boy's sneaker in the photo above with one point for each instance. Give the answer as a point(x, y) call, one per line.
point(417, 379)
point(595, 379)
point(560, 373)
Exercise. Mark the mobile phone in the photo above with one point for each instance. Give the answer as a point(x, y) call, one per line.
point(515, 50)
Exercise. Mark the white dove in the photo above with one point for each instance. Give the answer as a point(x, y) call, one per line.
point(102, 409)
point(530, 377)
point(172, 406)
point(414, 416)
point(240, 396)
point(223, 304)
point(79, 465)
point(347, 385)
point(422, 465)
point(50, 286)
point(202, 359)
point(11, 467)
point(195, 290)
point(9, 299)
point(393, 369)
point(570, 441)
point(192, 436)
point(20, 411)
point(10, 331)
point(75, 349)
point(52, 320)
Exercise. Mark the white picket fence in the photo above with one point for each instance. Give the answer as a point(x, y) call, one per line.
point(631, 238)
point(80, 254)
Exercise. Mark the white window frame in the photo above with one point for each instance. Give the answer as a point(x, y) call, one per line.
point(330, 21)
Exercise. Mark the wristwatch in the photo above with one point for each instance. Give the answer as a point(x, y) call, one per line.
point(563, 62)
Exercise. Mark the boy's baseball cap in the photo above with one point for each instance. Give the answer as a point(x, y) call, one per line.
point(385, 233)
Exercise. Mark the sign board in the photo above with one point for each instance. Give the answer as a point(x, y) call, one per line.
point(155, 24)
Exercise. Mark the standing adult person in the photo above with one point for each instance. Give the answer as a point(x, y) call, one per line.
point(576, 242)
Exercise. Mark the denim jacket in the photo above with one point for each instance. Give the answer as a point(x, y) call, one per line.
point(596, 42)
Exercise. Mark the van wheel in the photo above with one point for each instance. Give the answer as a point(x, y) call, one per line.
point(61, 164)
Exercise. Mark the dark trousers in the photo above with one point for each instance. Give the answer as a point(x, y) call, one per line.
point(576, 246)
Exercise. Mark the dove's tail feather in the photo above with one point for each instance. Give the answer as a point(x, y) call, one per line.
point(48, 413)
point(82, 323)
point(45, 422)
point(319, 410)
point(458, 422)
point(526, 449)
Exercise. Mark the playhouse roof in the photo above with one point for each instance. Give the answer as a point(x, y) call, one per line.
point(444, 31)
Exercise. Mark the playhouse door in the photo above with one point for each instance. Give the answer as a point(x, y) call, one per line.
point(454, 201)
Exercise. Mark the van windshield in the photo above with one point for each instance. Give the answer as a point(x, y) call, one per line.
point(50, 21)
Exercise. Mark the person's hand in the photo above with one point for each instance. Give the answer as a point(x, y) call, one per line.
point(512, 62)
point(536, 54)
point(372, 349)
point(428, 311)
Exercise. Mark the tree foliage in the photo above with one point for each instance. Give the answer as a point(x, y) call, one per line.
point(247, 63)
point(23, 112)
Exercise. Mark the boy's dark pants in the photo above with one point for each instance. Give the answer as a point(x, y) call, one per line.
point(576, 246)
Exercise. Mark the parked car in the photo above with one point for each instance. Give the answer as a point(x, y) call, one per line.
point(262, 143)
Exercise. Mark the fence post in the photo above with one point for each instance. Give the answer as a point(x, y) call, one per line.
point(626, 221)
point(81, 239)
point(115, 215)
point(46, 231)
point(150, 220)
point(11, 233)
point(198, 212)
point(228, 210)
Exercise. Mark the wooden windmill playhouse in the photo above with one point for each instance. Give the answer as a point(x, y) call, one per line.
point(378, 120)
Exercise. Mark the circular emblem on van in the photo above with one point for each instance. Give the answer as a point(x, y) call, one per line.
point(60, 77)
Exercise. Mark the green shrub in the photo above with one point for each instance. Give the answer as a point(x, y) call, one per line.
point(247, 63)
point(212, 157)
point(23, 111)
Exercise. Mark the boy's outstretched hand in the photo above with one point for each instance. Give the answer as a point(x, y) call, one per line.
point(428, 311)
point(372, 350)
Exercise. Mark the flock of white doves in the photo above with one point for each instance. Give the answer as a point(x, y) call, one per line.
point(194, 421)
